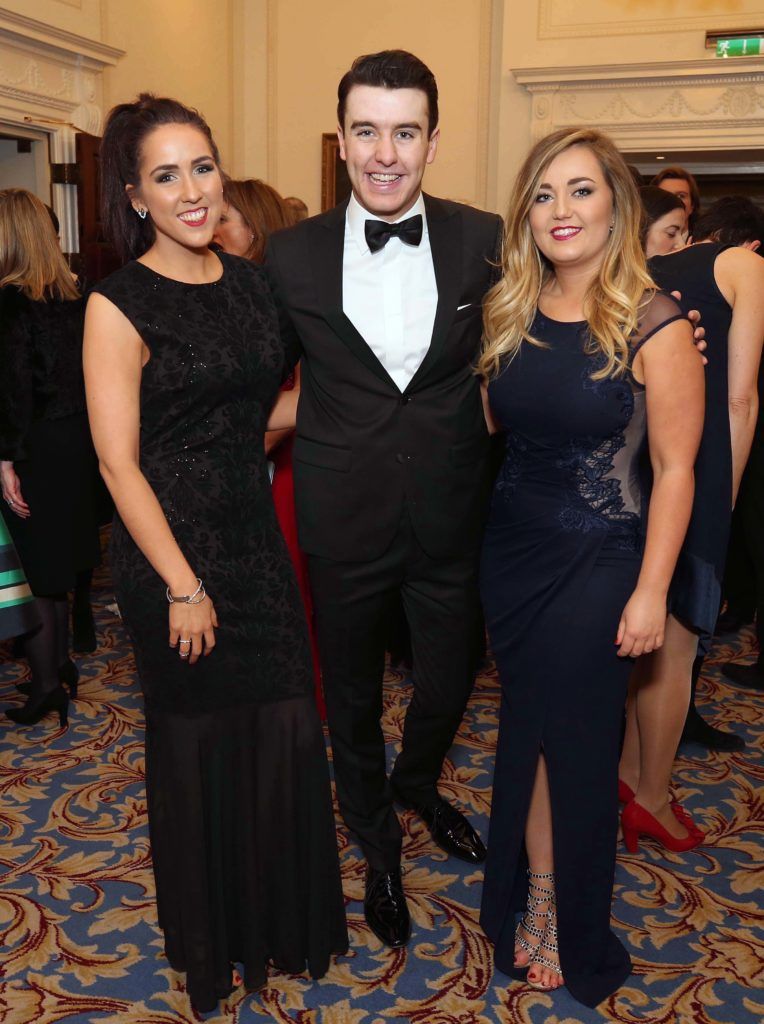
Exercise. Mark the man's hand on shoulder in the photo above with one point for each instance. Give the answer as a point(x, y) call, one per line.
point(698, 332)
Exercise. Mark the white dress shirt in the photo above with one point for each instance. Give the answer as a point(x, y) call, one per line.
point(390, 296)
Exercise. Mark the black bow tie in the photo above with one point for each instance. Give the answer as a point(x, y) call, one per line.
point(379, 232)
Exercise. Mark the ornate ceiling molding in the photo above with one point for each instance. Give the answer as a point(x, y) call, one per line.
point(681, 105)
point(19, 31)
point(49, 73)
point(51, 80)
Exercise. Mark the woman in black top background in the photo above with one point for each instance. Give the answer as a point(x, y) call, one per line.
point(46, 456)
point(726, 284)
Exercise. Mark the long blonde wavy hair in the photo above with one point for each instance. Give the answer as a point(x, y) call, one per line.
point(30, 256)
point(613, 299)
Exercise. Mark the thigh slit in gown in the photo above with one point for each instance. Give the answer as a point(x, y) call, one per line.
point(561, 557)
point(240, 814)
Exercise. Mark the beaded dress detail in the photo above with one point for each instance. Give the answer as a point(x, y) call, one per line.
point(240, 813)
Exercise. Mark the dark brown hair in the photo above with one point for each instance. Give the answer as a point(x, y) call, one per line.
point(390, 69)
point(732, 220)
point(656, 203)
point(127, 126)
point(680, 174)
point(297, 207)
point(262, 209)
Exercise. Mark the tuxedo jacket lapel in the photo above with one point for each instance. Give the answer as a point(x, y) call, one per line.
point(445, 230)
point(327, 250)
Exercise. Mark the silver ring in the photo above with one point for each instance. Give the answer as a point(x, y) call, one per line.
point(184, 641)
point(182, 655)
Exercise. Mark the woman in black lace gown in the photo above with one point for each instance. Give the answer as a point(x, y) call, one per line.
point(585, 361)
point(183, 362)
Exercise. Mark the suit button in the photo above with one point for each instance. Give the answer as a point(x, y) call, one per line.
point(405, 400)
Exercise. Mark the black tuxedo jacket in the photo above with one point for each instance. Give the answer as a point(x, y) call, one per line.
point(364, 451)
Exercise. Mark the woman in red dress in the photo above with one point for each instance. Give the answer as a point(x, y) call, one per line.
point(254, 211)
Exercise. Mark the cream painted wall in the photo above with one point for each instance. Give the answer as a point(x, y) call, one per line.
point(179, 48)
point(313, 44)
point(564, 33)
point(265, 72)
point(83, 17)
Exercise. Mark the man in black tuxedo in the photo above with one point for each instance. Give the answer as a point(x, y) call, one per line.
point(381, 297)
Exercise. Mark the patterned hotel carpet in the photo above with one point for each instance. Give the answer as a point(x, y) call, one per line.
point(78, 925)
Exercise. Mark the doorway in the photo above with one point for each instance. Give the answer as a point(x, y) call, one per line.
point(25, 160)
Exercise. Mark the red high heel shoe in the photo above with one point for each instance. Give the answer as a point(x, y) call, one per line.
point(636, 821)
point(625, 792)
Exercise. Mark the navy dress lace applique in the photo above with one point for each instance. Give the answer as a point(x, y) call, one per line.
point(560, 559)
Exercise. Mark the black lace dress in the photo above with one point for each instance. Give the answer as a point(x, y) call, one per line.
point(44, 432)
point(561, 556)
point(240, 813)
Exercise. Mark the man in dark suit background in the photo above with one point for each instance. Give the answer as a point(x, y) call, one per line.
point(381, 297)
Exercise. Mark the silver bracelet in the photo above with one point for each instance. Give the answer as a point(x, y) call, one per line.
point(196, 598)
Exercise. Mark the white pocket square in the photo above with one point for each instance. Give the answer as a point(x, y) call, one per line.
point(466, 304)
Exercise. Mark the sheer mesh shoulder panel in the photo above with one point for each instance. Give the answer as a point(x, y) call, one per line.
point(660, 309)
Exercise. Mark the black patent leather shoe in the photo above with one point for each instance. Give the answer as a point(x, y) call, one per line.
point(384, 906)
point(450, 830)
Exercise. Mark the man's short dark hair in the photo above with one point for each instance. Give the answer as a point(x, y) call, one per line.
point(390, 69)
point(732, 220)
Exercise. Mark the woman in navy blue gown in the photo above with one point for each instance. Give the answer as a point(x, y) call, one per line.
point(590, 370)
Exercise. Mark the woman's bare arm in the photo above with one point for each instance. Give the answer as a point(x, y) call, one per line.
point(672, 371)
point(740, 276)
point(284, 412)
point(114, 356)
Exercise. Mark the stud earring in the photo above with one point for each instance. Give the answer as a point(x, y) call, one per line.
point(141, 211)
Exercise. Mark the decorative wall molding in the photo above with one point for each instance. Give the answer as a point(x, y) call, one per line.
point(558, 19)
point(272, 91)
point(51, 79)
point(682, 106)
point(46, 71)
point(486, 70)
point(28, 33)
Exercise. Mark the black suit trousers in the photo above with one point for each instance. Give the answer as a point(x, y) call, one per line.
point(353, 602)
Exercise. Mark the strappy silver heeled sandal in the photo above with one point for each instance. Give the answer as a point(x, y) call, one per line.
point(549, 945)
point(538, 897)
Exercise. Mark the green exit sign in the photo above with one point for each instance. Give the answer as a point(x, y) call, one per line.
point(740, 47)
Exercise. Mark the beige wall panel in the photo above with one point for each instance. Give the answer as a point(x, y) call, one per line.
point(315, 43)
point(83, 17)
point(571, 19)
point(566, 33)
point(179, 48)
point(543, 33)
